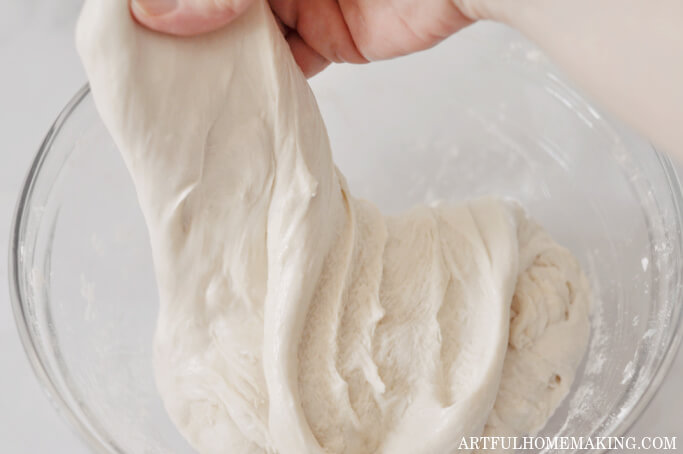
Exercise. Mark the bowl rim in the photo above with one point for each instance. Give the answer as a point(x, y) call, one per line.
point(93, 441)
point(17, 296)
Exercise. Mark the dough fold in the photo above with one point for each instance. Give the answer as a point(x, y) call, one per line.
point(293, 317)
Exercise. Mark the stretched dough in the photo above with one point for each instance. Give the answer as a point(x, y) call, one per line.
point(294, 318)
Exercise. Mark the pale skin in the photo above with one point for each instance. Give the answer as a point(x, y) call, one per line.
point(321, 31)
point(627, 54)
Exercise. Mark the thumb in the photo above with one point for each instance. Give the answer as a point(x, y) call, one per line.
point(186, 17)
point(486, 9)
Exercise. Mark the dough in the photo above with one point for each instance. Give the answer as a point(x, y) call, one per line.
point(293, 317)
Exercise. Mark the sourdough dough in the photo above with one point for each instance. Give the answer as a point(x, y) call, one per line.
point(295, 318)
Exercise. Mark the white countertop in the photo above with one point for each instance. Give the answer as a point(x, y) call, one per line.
point(39, 72)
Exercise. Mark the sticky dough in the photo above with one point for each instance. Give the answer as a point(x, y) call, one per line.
point(293, 317)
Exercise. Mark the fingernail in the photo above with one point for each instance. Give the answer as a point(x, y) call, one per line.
point(156, 7)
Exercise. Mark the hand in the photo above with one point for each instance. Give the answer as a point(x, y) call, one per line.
point(321, 31)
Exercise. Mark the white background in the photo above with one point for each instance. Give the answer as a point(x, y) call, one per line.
point(39, 72)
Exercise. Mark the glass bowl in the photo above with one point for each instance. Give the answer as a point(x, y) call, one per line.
point(483, 113)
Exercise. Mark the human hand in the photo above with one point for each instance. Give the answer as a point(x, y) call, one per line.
point(320, 31)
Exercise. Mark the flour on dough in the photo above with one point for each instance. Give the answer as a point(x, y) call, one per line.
point(293, 317)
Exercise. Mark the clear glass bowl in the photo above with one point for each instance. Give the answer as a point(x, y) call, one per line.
point(483, 113)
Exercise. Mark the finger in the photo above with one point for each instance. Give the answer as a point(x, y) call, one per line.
point(406, 26)
point(186, 17)
point(310, 61)
point(320, 24)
